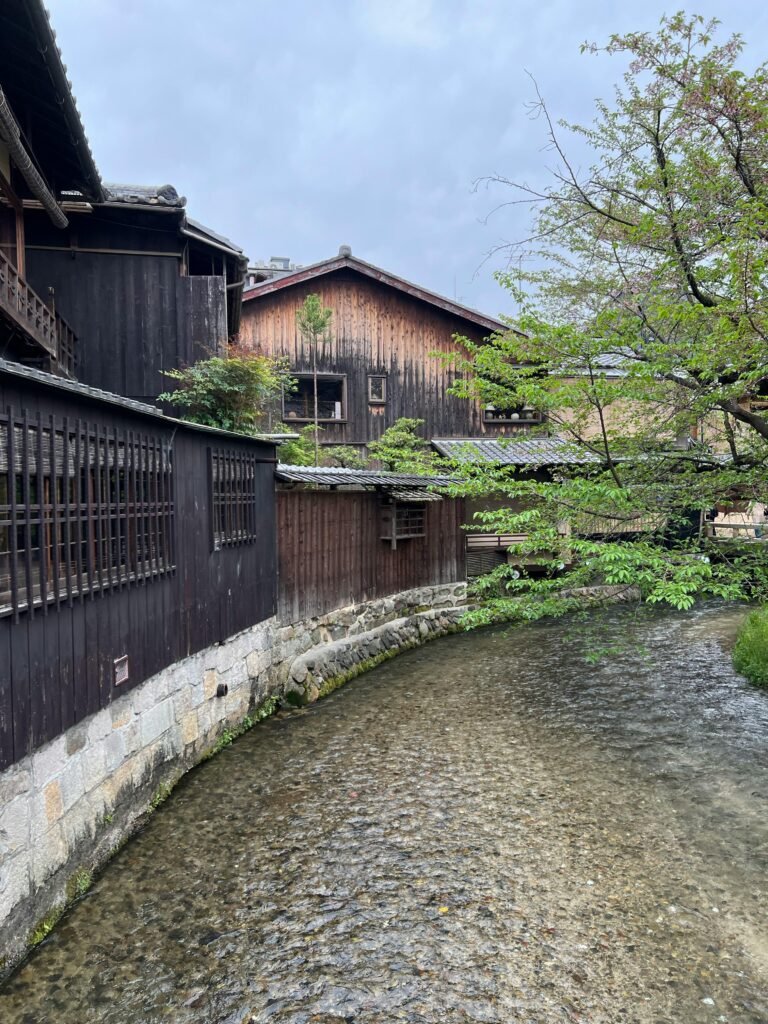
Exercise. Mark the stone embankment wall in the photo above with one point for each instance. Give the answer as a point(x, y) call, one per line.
point(65, 809)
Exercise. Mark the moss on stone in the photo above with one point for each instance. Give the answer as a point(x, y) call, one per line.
point(76, 886)
point(334, 682)
point(160, 795)
point(264, 710)
point(45, 926)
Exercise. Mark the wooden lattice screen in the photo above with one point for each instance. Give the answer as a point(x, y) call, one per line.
point(234, 507)
point(84, 508)
point(402, 521)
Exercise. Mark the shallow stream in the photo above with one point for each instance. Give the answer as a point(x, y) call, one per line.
point(491, 828)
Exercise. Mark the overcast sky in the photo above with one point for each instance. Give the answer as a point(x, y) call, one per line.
point(294, 126)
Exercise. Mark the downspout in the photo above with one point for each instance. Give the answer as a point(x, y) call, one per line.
point(10, 133)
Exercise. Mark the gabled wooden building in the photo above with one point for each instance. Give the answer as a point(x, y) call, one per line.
point(111, 284)
point(379, 363)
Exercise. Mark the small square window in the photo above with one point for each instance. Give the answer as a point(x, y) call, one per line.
point(377, 390)
point(402, 521)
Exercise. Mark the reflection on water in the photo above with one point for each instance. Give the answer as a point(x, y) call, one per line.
point(488, 829)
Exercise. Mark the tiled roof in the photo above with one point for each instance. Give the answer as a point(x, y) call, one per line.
point(145, 195)
point(34, 81)
point(209, 233)
point(73, 387)
point(534, 451)
point(612, 364)
point(326, 476)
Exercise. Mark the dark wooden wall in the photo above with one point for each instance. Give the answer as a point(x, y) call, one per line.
point(57, 666)
point(132, 311)
point(331, 553)
point(376, 330)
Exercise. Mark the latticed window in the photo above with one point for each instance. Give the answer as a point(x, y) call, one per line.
point(400, 521)
point(233, 497)
point(83, 508)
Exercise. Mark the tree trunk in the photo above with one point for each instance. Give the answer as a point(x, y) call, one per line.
point(314, 385)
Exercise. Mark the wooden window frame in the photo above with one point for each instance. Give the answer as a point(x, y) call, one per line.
point(401, 520)
point(84, 508)
point(232, 478)
point(321, 376)
point(383, 378)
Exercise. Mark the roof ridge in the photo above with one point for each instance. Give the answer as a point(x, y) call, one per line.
point(370, 270)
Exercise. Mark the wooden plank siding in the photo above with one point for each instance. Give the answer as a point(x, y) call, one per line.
point(57, 656)
point(118, 275)
point(376, 330)
point(331, 553)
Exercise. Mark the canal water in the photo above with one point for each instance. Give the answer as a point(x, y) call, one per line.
point(492, 828)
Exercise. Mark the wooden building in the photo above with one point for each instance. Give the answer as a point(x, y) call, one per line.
point(347, 536)
point(379, 362)
point(536, 457)
point(111, 284)
point(128, 540)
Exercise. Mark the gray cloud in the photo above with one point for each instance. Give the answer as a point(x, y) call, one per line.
point(295, 126)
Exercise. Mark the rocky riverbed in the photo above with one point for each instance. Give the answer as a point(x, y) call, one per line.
point(492, 828)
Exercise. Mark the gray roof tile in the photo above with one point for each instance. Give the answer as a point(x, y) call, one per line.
point(330, 476)
point(533, 451)
point(146, 195)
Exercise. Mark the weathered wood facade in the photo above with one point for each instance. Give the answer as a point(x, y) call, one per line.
point(109, 284)
point(140, 295)
point(378, 364)
point(332, 553)
point(122, 535)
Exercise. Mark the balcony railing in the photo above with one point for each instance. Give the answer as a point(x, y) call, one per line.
point(36, 320)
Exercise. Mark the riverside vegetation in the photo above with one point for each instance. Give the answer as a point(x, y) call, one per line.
point(750, 653)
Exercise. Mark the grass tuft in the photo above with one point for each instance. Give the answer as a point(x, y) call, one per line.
point(750, 654)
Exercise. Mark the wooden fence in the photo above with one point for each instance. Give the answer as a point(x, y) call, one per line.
point(333, 550)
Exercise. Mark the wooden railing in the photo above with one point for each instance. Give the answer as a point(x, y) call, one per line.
point(35, 319)
point(493, 541)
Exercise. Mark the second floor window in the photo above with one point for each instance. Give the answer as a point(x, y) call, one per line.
point(331, 398)
point(377, 390)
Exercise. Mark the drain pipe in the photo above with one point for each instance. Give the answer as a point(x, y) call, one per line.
point(10, 133)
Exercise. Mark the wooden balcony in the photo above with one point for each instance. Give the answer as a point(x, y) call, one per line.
point(35, 321)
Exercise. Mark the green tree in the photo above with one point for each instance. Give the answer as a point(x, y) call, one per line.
point(301, 451)
point(314, 323)
point(233, 393)
point(402, 450)
point(642, 332)
point(344, 455)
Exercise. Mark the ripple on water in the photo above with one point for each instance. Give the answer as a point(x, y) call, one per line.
point(488, 829)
